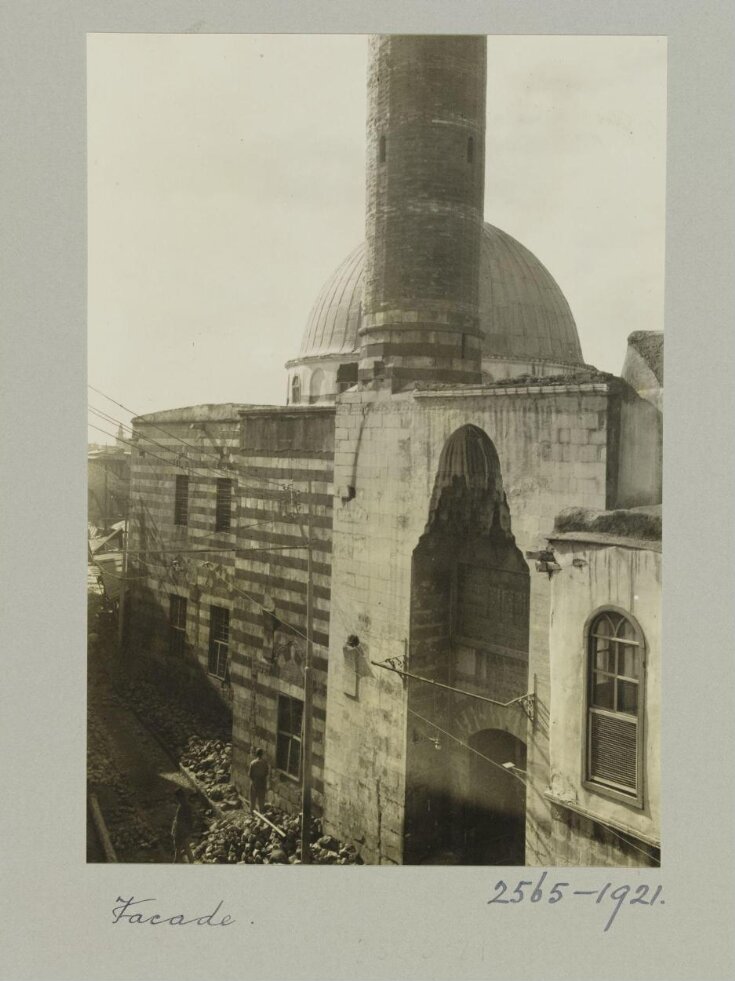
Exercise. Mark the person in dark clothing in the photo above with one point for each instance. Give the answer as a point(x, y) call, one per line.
point(258, 774)
point(183, 827)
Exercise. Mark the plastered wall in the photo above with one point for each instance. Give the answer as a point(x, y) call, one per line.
point(594, 576)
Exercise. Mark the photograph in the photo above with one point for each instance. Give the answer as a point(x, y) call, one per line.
point(375, 449)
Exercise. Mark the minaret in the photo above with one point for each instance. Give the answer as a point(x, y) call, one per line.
point(425, 191)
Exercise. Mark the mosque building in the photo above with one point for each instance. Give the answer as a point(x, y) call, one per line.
point(461, 514)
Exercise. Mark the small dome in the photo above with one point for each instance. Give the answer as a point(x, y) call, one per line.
point(523, 313)
point(335, 317)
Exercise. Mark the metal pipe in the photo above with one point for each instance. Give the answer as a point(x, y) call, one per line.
point(459, 691)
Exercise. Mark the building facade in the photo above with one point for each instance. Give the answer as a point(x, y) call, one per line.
point(440, 418)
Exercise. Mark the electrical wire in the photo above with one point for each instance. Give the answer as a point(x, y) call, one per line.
point(255, 602)
point(210, 551)
point(192, 469)
point(461, 742)
point(340, 616)
point(140, 437)
point(167, 463)
point(525, 783)
point(178, 439)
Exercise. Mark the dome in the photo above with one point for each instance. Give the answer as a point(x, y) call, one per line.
point(523, 313)
point(335, 316)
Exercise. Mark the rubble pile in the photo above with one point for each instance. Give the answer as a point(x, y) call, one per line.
point(253, 842)
point(210, 761)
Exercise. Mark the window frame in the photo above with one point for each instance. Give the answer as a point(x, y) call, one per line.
point(177, 632)
point(223, 505)
point(290, 736)
point(633, 797)
point(181, 500)
point(216, 644)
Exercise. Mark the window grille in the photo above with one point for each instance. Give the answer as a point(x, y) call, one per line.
point(223, 510)
point(219, 641)
point(288, 740)
point(615, 705)
point(181, 504)
point(177, 625)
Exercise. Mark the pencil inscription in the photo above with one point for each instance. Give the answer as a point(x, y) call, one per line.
point(122, 912)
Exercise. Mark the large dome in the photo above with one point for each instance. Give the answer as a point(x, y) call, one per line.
point(524, 316)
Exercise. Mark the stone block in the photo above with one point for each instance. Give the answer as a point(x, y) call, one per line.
point(588, 454)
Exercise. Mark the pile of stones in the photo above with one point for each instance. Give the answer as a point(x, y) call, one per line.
point(210, 761)
point(252, 842)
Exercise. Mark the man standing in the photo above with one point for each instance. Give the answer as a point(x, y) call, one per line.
point(258, 773)
point(183, 827)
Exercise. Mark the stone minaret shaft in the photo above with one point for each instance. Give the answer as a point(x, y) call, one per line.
point(425, 191)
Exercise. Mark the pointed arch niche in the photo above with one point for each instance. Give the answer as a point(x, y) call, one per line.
point(469, 629)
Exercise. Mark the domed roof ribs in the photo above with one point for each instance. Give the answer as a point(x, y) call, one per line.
point(524, 316)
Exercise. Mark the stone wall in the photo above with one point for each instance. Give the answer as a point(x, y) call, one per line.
point(552, 445)
point(280, 461)
point(286, 458)
point(639, 470)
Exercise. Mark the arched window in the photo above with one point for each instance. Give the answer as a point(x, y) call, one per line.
point(317, 385)
point(295, 390)
point(615, 697)
point(470, 149)
point(381, 150)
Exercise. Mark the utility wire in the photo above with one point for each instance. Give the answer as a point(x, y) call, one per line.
point(209, 551)
point(179, 439)
point(226, 548)
point(140, 437)
point(147, 452)
point(191, 468)
point(461, 742)
point(525, 783)
point(251, 598)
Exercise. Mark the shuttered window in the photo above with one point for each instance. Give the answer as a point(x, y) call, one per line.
point(219, 640)
point(181, 502)
point(223, 510)
point(615, 705)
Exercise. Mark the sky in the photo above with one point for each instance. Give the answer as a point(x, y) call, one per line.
point(226, 183)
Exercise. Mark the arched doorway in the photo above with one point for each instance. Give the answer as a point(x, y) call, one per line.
point(494, 820)
point(470, 592)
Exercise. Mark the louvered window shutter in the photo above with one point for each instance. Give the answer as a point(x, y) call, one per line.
point(615, 692)
point(613, 749)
